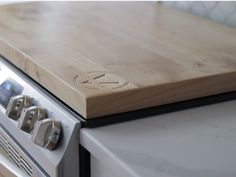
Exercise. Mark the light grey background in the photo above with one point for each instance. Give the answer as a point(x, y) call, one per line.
point(222, 12)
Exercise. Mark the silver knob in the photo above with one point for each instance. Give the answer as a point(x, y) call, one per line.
point(29, 116)
point(16, 105)
point(46, 133)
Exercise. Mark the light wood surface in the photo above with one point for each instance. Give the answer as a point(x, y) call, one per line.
point(102, 58)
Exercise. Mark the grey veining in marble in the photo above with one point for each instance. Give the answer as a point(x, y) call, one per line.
point(199, 142)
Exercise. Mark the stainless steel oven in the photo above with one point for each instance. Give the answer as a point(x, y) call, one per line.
point(38, 135)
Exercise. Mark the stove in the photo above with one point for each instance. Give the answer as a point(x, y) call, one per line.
point(38, 135)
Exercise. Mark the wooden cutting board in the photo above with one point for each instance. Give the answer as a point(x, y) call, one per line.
point(103, 58)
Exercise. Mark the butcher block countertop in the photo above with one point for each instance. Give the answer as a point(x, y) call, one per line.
point(103, 58)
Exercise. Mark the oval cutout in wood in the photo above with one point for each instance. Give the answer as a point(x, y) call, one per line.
point(100, 80)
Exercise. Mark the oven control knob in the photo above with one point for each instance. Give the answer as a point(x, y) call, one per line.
point(29, 116)
point(46, 133)
point(16, 105)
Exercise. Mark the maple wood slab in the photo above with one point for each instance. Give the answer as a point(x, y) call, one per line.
point(102, 58)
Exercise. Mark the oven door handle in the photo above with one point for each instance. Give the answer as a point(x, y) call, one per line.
point(8, 169)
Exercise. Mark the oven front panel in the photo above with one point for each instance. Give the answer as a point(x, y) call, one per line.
point(13, 160)
point(62, 161)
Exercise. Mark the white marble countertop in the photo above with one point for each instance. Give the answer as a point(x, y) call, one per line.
point(198, 142)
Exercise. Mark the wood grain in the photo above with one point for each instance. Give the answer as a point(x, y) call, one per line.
point(103, 58)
